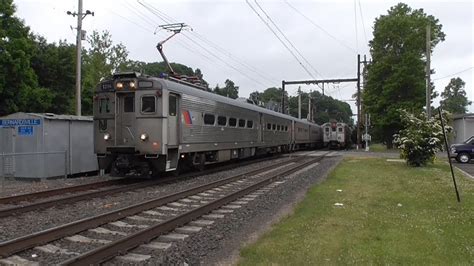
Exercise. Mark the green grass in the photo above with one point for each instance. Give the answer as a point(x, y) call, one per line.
point(429, 227)
point(379, 147)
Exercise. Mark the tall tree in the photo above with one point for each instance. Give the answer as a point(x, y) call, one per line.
point(230, 90)
point(17, 78)
point(454, 98)
point(102, 59)
point(54, 64)
point(396, 76)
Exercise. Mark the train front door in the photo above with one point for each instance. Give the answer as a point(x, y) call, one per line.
point(173, 125)
point(125, 119)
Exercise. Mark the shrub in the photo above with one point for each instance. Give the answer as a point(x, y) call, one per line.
point(421, 137)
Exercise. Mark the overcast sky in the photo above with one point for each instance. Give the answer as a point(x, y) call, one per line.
point(328, 34)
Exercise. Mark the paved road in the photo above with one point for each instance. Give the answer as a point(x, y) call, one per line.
point(466, 167)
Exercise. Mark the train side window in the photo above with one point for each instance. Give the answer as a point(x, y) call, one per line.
point(232, 122)
point(209, 119)
point(274, 127)
point(172, 105)
point(278, 127)
point(269, 126)
point(221, 120)
point(286, 128)
point(241, 122)
point(128, 104)
point(249, 123)
point(148, 104)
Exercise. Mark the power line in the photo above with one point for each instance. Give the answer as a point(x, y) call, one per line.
point(355, 25)
point(453, 74)
point(363, 24)
point(168, 19)
point(284, 36)
point(321, 28)
point(281, 41)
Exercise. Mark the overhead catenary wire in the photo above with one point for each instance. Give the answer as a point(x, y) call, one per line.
point(281, 41)
point(342, 43)
point(168, 19)
point(363, 24)
point(286, 38)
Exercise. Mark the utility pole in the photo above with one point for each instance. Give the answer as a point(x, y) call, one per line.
point(299, 102)
point(358, 102)
point(428, 71)
point(310, 115)
point(282, 96)
point(79, 38)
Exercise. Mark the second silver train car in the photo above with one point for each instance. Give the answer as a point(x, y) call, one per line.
point(150, 125)
point(336, 135)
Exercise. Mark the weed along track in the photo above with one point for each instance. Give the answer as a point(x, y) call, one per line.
point(151, 224)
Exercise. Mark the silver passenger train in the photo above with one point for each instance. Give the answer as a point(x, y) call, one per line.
point(150, 125)
point(337, 135)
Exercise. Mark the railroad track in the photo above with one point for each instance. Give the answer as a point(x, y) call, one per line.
point(153, 218)
point(93, 190)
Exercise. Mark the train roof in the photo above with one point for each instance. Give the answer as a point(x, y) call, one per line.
point(176, 86)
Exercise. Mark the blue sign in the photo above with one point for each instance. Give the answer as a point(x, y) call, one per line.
point(25, 130)
point(19, 122)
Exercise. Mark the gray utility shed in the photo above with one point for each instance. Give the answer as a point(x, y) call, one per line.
point(463, 127)
point(46, 145)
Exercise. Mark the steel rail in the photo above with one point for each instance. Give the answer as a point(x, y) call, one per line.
point(10, 247)
point(121, 246)
point(63, 190)
point(100, 193)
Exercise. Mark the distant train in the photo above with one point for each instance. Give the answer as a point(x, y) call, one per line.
point(337, 135)
point(150, 125)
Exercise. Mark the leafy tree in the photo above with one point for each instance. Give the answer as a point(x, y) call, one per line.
point(327, 108)
point(54, 64)
point(17, 78)
point(102, 59)
point(396, 76)
point(271, 98)
point(230, 90)
point(255, 97)
point(454, 97)
point(420, 139)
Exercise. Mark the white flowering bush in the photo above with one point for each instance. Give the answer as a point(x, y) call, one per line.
point(421, 137)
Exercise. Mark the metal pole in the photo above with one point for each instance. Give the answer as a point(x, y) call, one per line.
point(299, 102)
point(428, 71)
point(282, 96)
point(78, 58)
point(366, 132)
point(449, 155)
point(358, 102)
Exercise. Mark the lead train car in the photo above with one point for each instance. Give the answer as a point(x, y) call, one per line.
point(147, 125)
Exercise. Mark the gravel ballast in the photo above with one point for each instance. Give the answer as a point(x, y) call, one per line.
point(27, 223)
point(218, 243)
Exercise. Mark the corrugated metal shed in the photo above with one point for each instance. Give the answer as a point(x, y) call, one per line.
point(46, 145)
point(463, 127)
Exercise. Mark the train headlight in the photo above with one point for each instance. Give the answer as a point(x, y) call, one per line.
point(143, 137)
point(132, 85)
point(119, 85)
point(107, 136)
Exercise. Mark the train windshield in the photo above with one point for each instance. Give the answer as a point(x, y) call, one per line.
point(148, 104)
